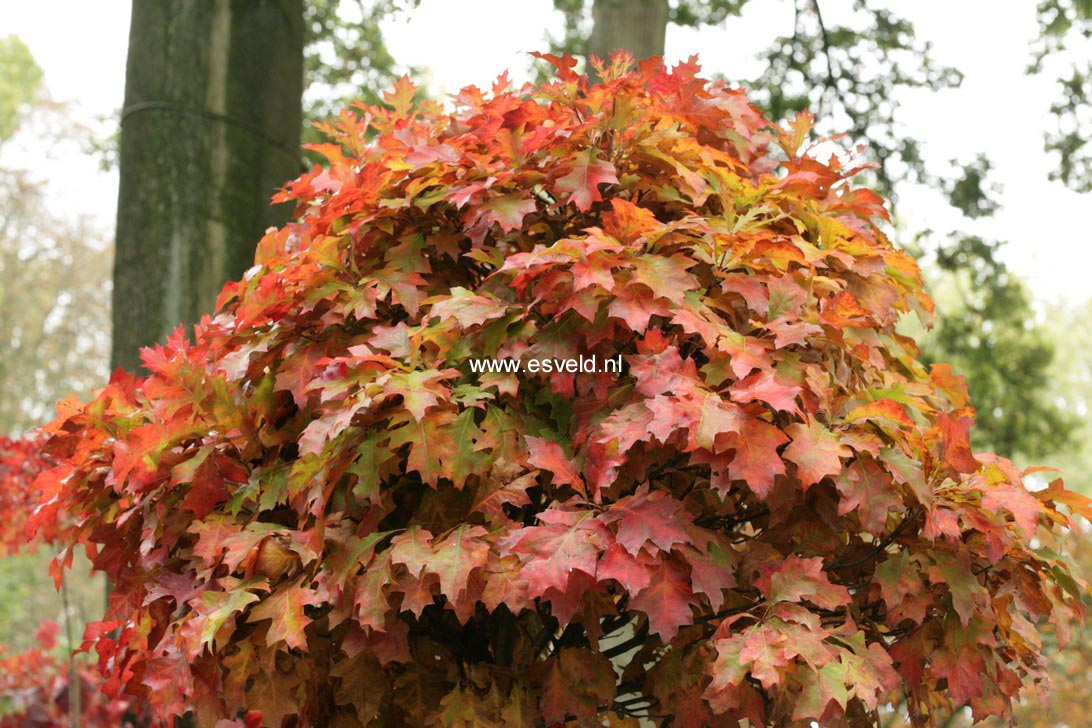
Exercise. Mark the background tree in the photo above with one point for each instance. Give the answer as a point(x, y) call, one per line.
point(209, 131)
point(345, 58)
point(638, 26)
point(1065, 24)
point(54, 304)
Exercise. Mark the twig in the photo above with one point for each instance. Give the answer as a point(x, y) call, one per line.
point(826, 45)
point(74, 692)
point(879, 548)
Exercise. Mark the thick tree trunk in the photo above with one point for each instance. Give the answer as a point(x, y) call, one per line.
point(638, 26)
point(210, 130)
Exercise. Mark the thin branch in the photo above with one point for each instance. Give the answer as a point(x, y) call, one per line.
point(75, 707)
point(880, 547)
point(826, 45)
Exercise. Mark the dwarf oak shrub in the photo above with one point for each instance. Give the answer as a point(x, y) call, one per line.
point(316, 509)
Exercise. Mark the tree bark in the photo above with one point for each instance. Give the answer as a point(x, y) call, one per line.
point(638, 26)
point(210, 130)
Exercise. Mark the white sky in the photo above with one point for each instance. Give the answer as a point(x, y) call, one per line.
point(997, 110)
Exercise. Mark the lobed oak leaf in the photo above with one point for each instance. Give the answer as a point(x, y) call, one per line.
point(586, 173)
point(868, 488)
point(627, 426)
point(952, 385)
point(711, 420)
point(284, 608)
point(594, 269)
point(277, 694)
point(412, 548)
point(816, 451)
point(455, 556)
point(420, 390)
point(956, 443)
point(417, 592)
point(822, 687)
point(216, 607)
point(765, 651)
point(577, 683)
point(647, 516)
point(756, 460)
point(572, 601)
point(548, 455)
point(629, 222)
point(663, 372)
point(326, 427)
point(551, 552)
point(797, 579)
point(466, 307)
point(902, 588)
point(666, 601)
point(712, 571)
point(629, 570)
point(508, 210)
point(791, 139)
point(963, 586)
point(400, 97)
point(765, 386)
point(881, 409)
point(964, 670)
point(636, 306)
point(666, 277)
point(432, 447)
point(1023, 506)
point(1056, 493)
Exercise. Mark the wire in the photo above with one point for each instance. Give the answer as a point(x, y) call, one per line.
point(214, 116)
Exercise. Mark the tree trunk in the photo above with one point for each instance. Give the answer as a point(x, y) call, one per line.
point(638, 26)
point(210, 130)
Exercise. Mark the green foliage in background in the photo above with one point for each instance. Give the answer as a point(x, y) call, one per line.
point(345, 58)
point(27, 597)
point(1065, 24)
point(1069, 328)
point(20, 81)
point(989, 333)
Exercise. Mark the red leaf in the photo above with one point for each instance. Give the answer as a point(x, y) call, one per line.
point(957, 443)
point(508, 211)
point(816, 451)
point(584, 177)
point(666, 601)
point(764, 386)
point(632, 572)
point(756, 460)
point(549, 456)
point(552, 551)
point(647, 517)
point(284, 609)
point(797, 579)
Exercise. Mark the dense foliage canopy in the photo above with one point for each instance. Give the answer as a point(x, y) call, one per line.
point(319, 509)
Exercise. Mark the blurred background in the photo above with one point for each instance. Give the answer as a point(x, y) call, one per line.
point(977, 114)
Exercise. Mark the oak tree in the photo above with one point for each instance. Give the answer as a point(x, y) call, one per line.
point(317, 511)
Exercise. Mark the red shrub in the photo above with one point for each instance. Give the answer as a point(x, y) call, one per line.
point(319, 509)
